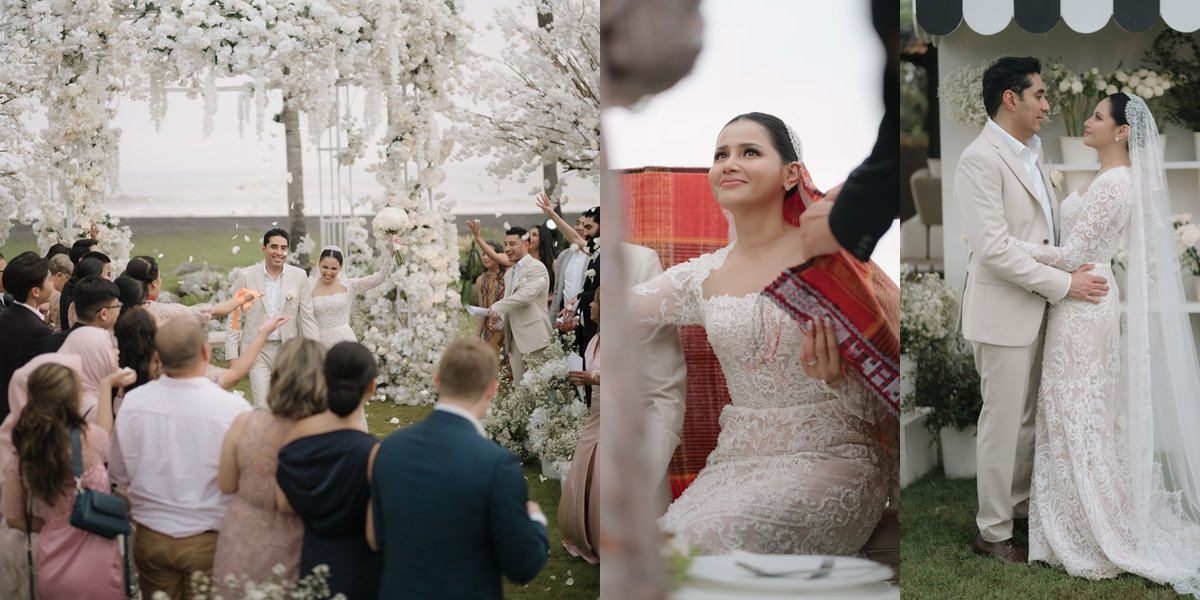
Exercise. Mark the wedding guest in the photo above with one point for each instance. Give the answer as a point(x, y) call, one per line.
point(454, 531)
point(71, 562)
point(57, 249)
point(526, 323)
point(256, 536)
point(165, 452)
point(24, 332)
point(578, 513)
point(82, 247)
point(84, 268)
point(94, 347)
point(541, 248)
point(323, 476)
point(572, 262)
point(61, 270)
point(145, 270)
point(98, 301)
point(490, 289)
point(285, 291)
point(103, 258)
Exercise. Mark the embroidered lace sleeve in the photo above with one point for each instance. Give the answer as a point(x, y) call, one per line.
point(674, 297)
point(362, 284)
point(1097, 231)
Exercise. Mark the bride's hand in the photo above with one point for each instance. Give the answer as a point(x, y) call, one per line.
point(819, 352)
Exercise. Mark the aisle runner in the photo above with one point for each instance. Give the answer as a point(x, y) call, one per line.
point(672, 210)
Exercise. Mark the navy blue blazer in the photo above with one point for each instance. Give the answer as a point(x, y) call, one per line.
point(450, 514)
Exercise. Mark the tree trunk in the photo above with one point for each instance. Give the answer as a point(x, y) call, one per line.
point(295, 187)
point(549, 165)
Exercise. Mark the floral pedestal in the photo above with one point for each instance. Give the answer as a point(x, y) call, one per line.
point(958, 452)
point(548, 470)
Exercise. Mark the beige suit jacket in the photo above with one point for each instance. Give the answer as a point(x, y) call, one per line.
point(297, 304)
point(523, 308)
point(662, 381)
point(1006, 291)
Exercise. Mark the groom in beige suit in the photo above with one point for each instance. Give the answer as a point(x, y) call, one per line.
point(522, 312)
point(285, 291)
point(1001, 190)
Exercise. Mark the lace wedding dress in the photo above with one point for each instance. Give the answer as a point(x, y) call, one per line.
point(798, 467)
point(1084, 510)
point(332, 311)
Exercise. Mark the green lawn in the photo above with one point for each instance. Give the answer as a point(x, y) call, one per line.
point(938, 525)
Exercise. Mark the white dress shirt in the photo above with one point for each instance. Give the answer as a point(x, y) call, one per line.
point(454, 410)
point(273, 299)
point(573, 275)
point(1028, 153)
point(166, 448)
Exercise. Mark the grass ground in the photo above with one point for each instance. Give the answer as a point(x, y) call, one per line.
point(210, 240)
point(937, 528)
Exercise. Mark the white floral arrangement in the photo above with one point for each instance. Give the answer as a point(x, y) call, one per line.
point(303, 247)
point(928, 308)
point(314, 586)
point(961, 94)
point(207, 285)
point(1187, 237)
point(1150, 85)
point(540, 415)
point(1075, 94)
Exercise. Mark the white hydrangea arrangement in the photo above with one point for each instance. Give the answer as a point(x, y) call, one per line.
point(928, 308)
point(1187, 237)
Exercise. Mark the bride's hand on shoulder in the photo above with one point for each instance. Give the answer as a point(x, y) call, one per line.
point(819, 355)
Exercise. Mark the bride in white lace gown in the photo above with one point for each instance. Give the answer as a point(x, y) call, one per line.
point(333, 295)
point(798, 467)
point(1098, 506)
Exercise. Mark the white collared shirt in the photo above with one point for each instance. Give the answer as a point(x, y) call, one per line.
point(166, 448)
point(454, 410)
point(573, 275)
point(273, 299)
point(37, 312)
point(1027, 153)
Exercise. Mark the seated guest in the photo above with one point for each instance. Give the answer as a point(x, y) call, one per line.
point(166, 451)
point(255, 535)
point(322, 476)
point(454, 530)
point(24, 332)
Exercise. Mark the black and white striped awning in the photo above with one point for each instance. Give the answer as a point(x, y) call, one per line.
point(987, 17)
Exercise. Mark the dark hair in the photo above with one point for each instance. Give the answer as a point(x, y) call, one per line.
point(93, 293)
point(592, 213)
point(100, 256)
point(135, 331)
point(1007, 73)
point(25, 272)
point(349, 370)
point(42, 433)
point(331, 253)
point(131, 292)
point(547, 244)
point(517, 231)
point(143, 269)
point(86, 267)
point(1117, 103)
point(276, 232)
point(781, 140)
point(81, 247)
point(54, 250)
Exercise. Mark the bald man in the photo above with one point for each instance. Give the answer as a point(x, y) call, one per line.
point(165, 450)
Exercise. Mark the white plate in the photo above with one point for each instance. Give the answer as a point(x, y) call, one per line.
point(847, 571)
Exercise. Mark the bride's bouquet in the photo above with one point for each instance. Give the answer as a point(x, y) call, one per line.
point(390, 221)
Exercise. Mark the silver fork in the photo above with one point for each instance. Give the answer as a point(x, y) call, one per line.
point(821, 571)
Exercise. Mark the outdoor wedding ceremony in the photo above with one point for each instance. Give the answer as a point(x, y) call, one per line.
point(1049, 305)
point(299, 299)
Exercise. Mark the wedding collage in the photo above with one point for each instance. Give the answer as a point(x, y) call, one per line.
point(302, 299)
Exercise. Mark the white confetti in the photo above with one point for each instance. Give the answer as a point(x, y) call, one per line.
point(234, 237)
point(553, 578)
point(236, 225)
point(189, 258)
point(275, 223)
point(237, 249)
point(395, 421)
point(542, 478)
point(506, 226)
point(160, 255)
point(498, 215)
point(247, 238)
point(570, 581)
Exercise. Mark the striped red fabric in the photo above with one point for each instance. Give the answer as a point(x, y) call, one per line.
point(672, 210)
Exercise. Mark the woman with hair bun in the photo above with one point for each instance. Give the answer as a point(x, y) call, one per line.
point(145, 270)
point(323, 476)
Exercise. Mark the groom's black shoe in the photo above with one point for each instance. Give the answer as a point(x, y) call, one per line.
point(1006, 551)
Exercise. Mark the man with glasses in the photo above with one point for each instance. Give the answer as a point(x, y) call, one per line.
point(97, 304)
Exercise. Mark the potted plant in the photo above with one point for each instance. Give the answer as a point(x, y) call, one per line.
point(942, 380)
point(1179, 54)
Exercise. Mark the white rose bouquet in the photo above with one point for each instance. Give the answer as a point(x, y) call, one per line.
point(390, 221)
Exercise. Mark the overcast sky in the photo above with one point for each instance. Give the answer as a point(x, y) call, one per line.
point(817, 65)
